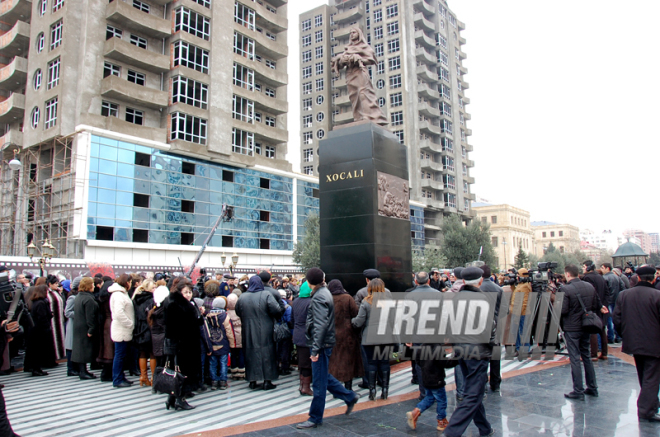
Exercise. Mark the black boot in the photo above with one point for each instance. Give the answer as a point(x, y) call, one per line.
point(181, 404)
point(82, 372)
point(171, 399)
point(348, 385)
point(386, 384)
point(106, 373)
point(371, 377)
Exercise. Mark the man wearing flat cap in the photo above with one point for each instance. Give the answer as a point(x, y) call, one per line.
point(637, 319)
point(225, 288)
point(475, 371)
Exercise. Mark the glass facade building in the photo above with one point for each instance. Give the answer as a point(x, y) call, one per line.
point(417, 227)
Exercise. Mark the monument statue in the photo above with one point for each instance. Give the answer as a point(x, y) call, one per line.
point(356, 57)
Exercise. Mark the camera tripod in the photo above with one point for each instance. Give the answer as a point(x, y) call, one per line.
point(543, 331)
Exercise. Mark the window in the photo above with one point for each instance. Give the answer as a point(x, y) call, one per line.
point(380, 83)
point(450, 200)
point(307, 121)
point(561, 233)
point(137, 78)
point(394, 63)
point(40, 42)
point(308, 137)
point(445, 109)
point(320, 116)
point(243, 46)
point(57, 5)
point(376, 2)
point(447, 144)
point(134, 116)
point(270, 152)
point(318, 20)
point(319, 52)
point(319, 100)
point(35, 117)
point(195, 24)
point(137, 4)
point(318, 36)
point(552, 234)
point(270, 92)
point(441, 40)
point(444, 73)
point(378, 16)
point(36, 81)
point(493, 240)
point(307, 104)
point(242, 142)
point(51, 113)
point(308, 155)
point(307, 72)
point(465, 170)
point(257, 117)
point(109, 109)
point(396, 99)
point(307, 88)
point(447, 163)
point(104, 233)
point(138, 41)
point(307, 25)
point(111, 69)
point(446, 126)
point(442, 57)
point(378, 32)
point(56, 35)
point(187, 168)
point(307, 56)
point(306, 40)
point(393, 45)
point(264, 243)
point(270, 121)
point(381, 102)
point(320, 134)
point(308, 170)
point(112, 32)
point(378, 48)
point(188, 128)
point(399, 134)
point(544, 234)
point(319, 85)
point(395, 81)
point(392, 10)
point(243, 109)
point(393, 28)
point(244, 15)
point(444, 91)
point(396, 118)
point(187, 206)
point(140, 200)
point(493, 219)
point(243, 77)
point(188, 55)
point(319, 68)
point(43, 7)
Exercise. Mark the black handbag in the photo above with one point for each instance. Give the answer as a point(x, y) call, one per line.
point(281, 332)
point(591, 322)
point(168, 380)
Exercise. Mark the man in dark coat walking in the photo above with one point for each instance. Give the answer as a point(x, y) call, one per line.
point(258, 309)
point(637, 319)
point(577, 341)
point(604, 295)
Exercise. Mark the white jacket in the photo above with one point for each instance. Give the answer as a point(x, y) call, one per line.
point(123, 314)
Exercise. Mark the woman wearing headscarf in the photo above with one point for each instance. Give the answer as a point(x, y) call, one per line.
point(121, 329)
point(346, 360)
point(182, 331)
point(374, 366)
point(143, 301)
point(258, 309)
point(299, 320)
point(106, 345)
point(39, 353)
point(85, 327)
point(156, 319)
point(56, 303)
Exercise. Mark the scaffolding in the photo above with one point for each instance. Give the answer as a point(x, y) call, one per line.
point(37, 202)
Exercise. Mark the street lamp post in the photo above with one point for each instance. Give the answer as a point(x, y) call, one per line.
point(47, 252)
point(504, 244)
point(232, 264)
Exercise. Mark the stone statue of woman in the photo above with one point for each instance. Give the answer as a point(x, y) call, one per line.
point(356, 57)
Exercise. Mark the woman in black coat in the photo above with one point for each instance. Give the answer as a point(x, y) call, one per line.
point(41, 334)
point(182, 322)
point(143, 301)
point(85, 327)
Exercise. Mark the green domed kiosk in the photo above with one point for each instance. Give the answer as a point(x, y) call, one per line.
point(629, 252)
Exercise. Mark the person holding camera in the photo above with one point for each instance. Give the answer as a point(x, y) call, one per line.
point(5, 427)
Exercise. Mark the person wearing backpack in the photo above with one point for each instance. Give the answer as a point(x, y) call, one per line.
point(218, 339)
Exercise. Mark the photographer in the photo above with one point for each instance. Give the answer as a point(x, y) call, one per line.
point(521, 291)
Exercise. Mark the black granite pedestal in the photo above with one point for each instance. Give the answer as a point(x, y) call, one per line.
point(359, 164)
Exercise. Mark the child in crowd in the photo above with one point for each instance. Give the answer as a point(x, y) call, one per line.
point(218, 339)
point(433, 378)
point(237, 357)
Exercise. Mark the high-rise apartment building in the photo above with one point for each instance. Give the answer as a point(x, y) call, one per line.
point(419, 83)
point(136, 120)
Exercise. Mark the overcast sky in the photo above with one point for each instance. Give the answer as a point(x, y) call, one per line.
point(564, 104)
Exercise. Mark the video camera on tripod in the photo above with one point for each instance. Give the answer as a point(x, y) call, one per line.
point(12, 303)
point(539, 277)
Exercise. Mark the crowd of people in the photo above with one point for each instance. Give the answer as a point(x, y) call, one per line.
point(260, 327)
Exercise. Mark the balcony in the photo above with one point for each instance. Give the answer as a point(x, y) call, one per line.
point(467, 116)
point(342, 101)
point(14, 75)
point(129, 18)
point(429, 164)
point(16, 41)
point(263, 133)
point(461, 40)
point(469, 162)
point(123, 51)
point(342, 33)
point(423, 56)
point(269, 20)
point(426, 74)
point(461, 55)
point(428, 145)
point(422, 23)
point(428, 110)
point(346, 3)
point(262, 73)
point(464, 70)
point(262, 102)
point(345, 117)
point(13, 137)
point(466, 101)
point(274, 50)
point(13, 109)
point(12, 11)
point(430, 183)
point(423, 7)
point(464, 85)
point(340, 83)
point(468, 132)
point(349, 15)
point(468, 179)
point(428, 128)
point(460, 24)
point(116, 88)
point(425, 91)
point(423, 39)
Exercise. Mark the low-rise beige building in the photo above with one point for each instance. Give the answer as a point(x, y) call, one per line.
point(565, 237)
point(510, 230)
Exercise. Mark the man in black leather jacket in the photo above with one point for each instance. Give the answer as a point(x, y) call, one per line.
point(320, 335)
point(475, 372)
point(577, 341)
point(604, 294)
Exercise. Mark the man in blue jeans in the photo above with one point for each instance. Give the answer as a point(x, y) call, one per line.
point(320, 339)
